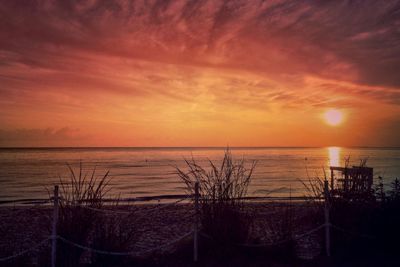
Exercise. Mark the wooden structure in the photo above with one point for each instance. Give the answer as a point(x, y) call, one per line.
point(350, 182)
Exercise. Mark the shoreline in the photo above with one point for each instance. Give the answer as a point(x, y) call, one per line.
point(166, 199)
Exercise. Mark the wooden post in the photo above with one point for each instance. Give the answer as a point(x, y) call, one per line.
point(327, 222)
point(54, 230)
point(196, 222)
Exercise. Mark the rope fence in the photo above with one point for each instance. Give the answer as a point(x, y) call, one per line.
point(98, 251)
point(141, 250)
point(127, 253)
point(171, 243)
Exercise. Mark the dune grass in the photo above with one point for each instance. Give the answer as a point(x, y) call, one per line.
point(75, 222)
point(82, 194)
point(221, 189)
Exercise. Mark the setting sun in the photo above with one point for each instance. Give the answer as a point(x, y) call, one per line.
point(333, 117)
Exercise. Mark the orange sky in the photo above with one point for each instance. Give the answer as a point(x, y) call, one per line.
point(199, 73)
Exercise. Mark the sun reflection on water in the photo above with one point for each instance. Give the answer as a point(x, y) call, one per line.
point(334, 156)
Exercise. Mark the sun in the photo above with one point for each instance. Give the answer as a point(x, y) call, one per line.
point(333, 117)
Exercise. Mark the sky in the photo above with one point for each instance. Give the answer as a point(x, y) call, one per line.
point(199, 73)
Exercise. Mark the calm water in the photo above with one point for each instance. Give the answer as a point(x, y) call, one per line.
point(138, 172)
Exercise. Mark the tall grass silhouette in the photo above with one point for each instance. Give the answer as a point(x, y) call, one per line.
point(82, 195)
point(222, 189)
point(75, 221)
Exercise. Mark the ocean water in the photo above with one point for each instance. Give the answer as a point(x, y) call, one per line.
point(150, 172)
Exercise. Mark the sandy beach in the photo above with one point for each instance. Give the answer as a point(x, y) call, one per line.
point(153, 225)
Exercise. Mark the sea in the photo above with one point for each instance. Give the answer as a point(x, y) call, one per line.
point(150, 173)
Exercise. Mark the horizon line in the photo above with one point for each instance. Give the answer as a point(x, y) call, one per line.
point(187, 147)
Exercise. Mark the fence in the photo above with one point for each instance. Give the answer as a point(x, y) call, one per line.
point(55, 237)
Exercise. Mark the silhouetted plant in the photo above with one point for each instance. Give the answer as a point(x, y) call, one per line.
point(75, 222)
point(314, 190)
point(314, 195)
point(222, 189)
point(394, 193)
point(380, 190)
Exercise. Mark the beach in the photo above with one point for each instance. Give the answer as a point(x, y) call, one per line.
point(154, 225)
point(258, 215)
point(281, 233)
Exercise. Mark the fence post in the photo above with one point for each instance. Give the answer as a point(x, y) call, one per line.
point(327, 222)
point(196, 222)
point(54, 230)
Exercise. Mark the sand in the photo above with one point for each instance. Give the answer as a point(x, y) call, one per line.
point(22, 227)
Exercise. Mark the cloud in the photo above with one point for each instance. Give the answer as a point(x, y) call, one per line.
point(274, 36)
point(102, 62)
point(41, 137)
